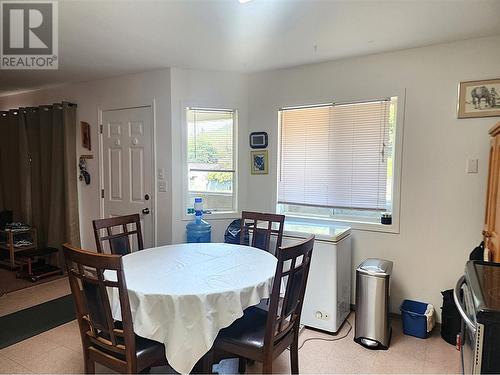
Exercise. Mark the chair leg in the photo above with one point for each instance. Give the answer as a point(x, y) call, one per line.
point(204, 365)
point(267, 365)
point(294, 355)
point(131, 366)
point(89, 366)
point(242, 365)
point(207, 364)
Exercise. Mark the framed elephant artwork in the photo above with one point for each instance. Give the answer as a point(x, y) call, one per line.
point(479, 98)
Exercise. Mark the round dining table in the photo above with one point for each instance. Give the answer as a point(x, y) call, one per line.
point(182, 295)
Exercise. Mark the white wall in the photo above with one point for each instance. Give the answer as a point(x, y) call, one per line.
point(442, 207)
point(174, 88)
point(119, 92)
point(206, 90)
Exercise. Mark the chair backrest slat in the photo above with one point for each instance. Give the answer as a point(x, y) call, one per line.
point(292, 271)
point(261, 228)
point(119, 243)
point(90, 287)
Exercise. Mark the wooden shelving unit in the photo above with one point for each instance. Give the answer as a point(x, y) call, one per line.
point(9, 237)
point(491, 230)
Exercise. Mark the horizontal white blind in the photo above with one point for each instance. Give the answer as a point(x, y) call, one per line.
point(210, 140)
point(210, 158)
point(335, 155)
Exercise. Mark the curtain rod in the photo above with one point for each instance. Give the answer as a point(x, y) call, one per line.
point(51, 105)
point(4, 113)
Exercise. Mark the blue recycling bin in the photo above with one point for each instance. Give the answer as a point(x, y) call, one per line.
point(414, 319)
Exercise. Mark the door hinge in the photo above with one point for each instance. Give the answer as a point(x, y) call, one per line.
point(102, 193)
point(100, 128)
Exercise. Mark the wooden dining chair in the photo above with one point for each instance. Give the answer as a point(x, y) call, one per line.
point(119, 242)
point(105, 340)
point(261, 228)
point(262, 335)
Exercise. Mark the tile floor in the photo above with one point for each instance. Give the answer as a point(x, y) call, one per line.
point(59, 351)
point(10, 283)
point(24, 298)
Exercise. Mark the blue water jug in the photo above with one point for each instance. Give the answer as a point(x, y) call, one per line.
point(198, 231)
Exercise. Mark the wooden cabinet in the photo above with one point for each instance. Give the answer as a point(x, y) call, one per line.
point(491, 231)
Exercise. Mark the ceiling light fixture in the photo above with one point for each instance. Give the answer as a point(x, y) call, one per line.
point(244, 1)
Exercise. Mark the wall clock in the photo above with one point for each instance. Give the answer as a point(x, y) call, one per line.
point(258, 140)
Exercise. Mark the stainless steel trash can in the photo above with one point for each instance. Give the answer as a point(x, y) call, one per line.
point(372, 323)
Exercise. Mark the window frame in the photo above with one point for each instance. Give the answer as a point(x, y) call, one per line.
point(185, 169)
point(353, 221)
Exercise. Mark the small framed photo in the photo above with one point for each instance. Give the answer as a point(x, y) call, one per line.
point(259, 162)
point(479, 98)
point(85, 126)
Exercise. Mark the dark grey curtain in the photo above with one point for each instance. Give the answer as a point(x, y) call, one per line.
point(48, 198)
point(14, 165)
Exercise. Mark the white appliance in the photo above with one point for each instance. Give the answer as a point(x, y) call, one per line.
point(328, 294)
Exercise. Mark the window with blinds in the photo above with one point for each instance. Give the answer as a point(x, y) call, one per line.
point(337, 156)
point(210, 158)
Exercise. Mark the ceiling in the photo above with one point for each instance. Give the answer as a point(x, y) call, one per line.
point(99, 39)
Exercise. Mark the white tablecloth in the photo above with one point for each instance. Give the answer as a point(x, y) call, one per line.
point(182, 295)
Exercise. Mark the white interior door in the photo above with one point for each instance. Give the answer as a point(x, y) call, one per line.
point(127, 165)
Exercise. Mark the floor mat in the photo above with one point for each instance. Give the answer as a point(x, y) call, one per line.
point(34, 320)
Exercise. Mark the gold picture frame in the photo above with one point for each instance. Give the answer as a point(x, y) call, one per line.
point(259, 162)
point(479, 98)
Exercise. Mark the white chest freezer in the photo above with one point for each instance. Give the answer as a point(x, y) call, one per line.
point(328, 294)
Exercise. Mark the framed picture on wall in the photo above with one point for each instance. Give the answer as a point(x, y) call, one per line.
point(259, 162)
point(85, 126)
point(479, 98)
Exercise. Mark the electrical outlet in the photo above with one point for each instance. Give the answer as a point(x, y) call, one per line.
point(321, 315)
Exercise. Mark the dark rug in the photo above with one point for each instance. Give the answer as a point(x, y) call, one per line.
point(34, 320)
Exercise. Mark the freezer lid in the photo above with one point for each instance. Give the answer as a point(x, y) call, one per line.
point(375, 266)
point(483, 279)
point(323, 232)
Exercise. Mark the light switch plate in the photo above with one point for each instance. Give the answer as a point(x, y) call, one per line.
point(162, 186)
point(472, 166)
point(161, 173)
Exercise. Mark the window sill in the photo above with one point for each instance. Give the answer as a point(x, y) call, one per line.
point(353, 224)
point(215, 216)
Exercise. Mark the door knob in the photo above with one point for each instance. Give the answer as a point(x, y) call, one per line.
point(145, 211)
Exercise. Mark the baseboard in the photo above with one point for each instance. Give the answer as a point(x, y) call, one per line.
point(396, 316)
